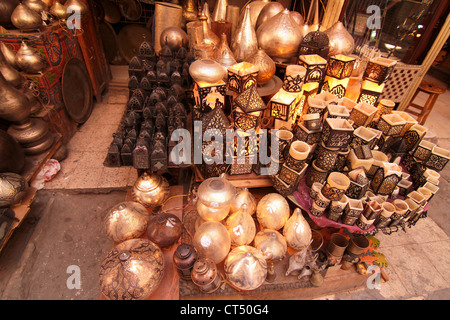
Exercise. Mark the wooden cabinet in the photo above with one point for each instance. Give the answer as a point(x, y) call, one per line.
point(93, 52)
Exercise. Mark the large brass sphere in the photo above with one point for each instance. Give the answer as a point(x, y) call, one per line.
point(151, 190)
point(126, 220)
point(272, 211)
point(174, 38)
point(211, 240)
point(271, 243)
point(246, 268)
point(12, 188)
point(132, 270)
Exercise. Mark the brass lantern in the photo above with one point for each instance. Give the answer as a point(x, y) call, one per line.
point(241, 76)
point(247, 109)
point(315, 42)
point(132, 270)
point(283, 104)
point(339, 70)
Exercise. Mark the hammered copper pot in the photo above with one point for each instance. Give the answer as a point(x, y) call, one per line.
point(132, 270)
point(164, 229)
point(126, 220)
point(36, 5)
point(14, 106)
point(59, 11)
point(25, 19)
point(270, 10)
point(341, 41)
point(29, 59)
point(9, 72)
point(151, 190)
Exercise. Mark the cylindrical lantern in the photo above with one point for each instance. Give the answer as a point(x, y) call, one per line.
point(293, 78)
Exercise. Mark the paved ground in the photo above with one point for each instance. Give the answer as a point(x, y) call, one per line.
point(64, 228)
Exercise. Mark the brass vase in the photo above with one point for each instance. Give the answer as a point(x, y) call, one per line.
point(245, 42)
point(33, 135)
point(255, 9)
point(208, 35)
point(224, 55)
point(189, 11)
point(25, 19)
point(36, 5)
point(14, 106)
point(207, 13)
point(9, 54)
point(266, 65)
point(280, 37)
point(59, 11)
point(220, 11)
point(241, 226)
point(297, 231)
point(78, 5)
point(12, 188)
point(29, 59)
point(9, 73)
point(341, 41)
point(269, 11)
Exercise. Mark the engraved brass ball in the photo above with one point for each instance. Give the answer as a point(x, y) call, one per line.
point(126, 220)
point(133, 270)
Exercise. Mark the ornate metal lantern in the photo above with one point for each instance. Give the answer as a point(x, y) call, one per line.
point(283, 105)
point(339, 70)
point(209, 95)
point(315, 42)
point(242, 76)
point(247, 109)
point(315, 67)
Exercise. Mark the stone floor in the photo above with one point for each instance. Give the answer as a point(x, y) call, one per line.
point(64, 226)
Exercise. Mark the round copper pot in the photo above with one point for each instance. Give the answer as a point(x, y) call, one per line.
point(164, 229)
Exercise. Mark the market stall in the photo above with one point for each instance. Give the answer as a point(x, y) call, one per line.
point(296, 156)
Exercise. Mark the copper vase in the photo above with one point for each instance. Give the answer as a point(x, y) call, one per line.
point(266, 65)
point(341, 41)
point(280, 37)
point(29, 59)
point(25, 19)
point(220, 11)
point(9, 73)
